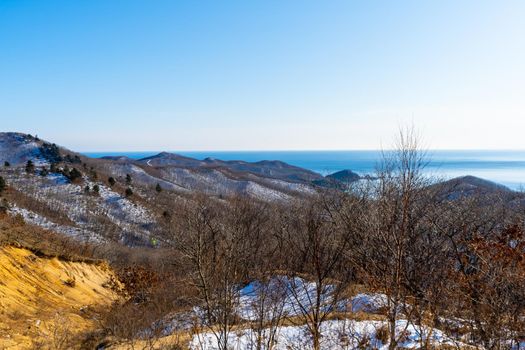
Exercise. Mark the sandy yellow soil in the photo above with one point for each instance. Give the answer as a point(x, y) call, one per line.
point(49, 301)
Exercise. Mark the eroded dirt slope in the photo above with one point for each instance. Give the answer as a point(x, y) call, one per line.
point(48, 301)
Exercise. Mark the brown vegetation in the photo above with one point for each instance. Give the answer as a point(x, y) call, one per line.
point(457, 265)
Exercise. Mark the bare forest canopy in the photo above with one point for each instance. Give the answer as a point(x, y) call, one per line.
point(439, 264)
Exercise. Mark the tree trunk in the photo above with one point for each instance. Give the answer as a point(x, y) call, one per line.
point(316, 339)
point(392, 328)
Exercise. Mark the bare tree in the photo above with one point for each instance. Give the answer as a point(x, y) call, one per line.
point(317, 237)
point(394, 244)
point(265, 305)
point(218, 241)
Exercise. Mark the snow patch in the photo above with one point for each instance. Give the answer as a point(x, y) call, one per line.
point(369, 303)
point(335, 335)
point(40, 221)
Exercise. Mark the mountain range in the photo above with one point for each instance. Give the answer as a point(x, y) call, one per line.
point(98, 205)
point(122, 199)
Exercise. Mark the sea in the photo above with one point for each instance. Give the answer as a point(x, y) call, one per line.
point(503, 167)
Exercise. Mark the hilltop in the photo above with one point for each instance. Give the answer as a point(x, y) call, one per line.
point(122, 199)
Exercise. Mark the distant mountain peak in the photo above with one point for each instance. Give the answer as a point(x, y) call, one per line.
point(468, 186)
point(477, 182)
point(345, 175)
point(117, 158)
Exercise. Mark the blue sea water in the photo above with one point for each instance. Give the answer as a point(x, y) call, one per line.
point(505, 167)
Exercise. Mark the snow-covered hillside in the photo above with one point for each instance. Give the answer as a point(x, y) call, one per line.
point(17, 149)
point(84, 216)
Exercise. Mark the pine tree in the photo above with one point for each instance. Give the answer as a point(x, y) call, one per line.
point(7, 164)
point(96, 189)
point(30, 167)
point(111, 181)
point(129, 192)
point(74, 174)
point(3, 184)
point(128, 179)
point(50, 152)
point(158, 188)
point(4, 205)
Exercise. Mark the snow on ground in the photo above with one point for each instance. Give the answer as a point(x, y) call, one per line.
point(171, 323)
point(520, 345)
point(140, 176)
point(40, 221)
point(265, 193)
point(291, 186)
point(18, 148)
point(210, 181)
point(369, 302)
point(122, 208)
point(282, 295)
point(339, 334)
point(86, 212)
point(215, 182)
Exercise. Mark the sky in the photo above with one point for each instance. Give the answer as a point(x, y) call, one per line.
point(139, 75)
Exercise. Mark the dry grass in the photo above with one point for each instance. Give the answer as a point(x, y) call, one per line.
point(175, 341)
point(43, 243)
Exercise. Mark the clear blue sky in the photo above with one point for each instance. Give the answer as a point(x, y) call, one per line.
point(243, 75)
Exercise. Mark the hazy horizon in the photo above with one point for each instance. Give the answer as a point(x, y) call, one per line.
point(301, 150)
point(504, 167)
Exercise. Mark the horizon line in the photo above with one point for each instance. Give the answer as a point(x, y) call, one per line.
point(306, 150)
